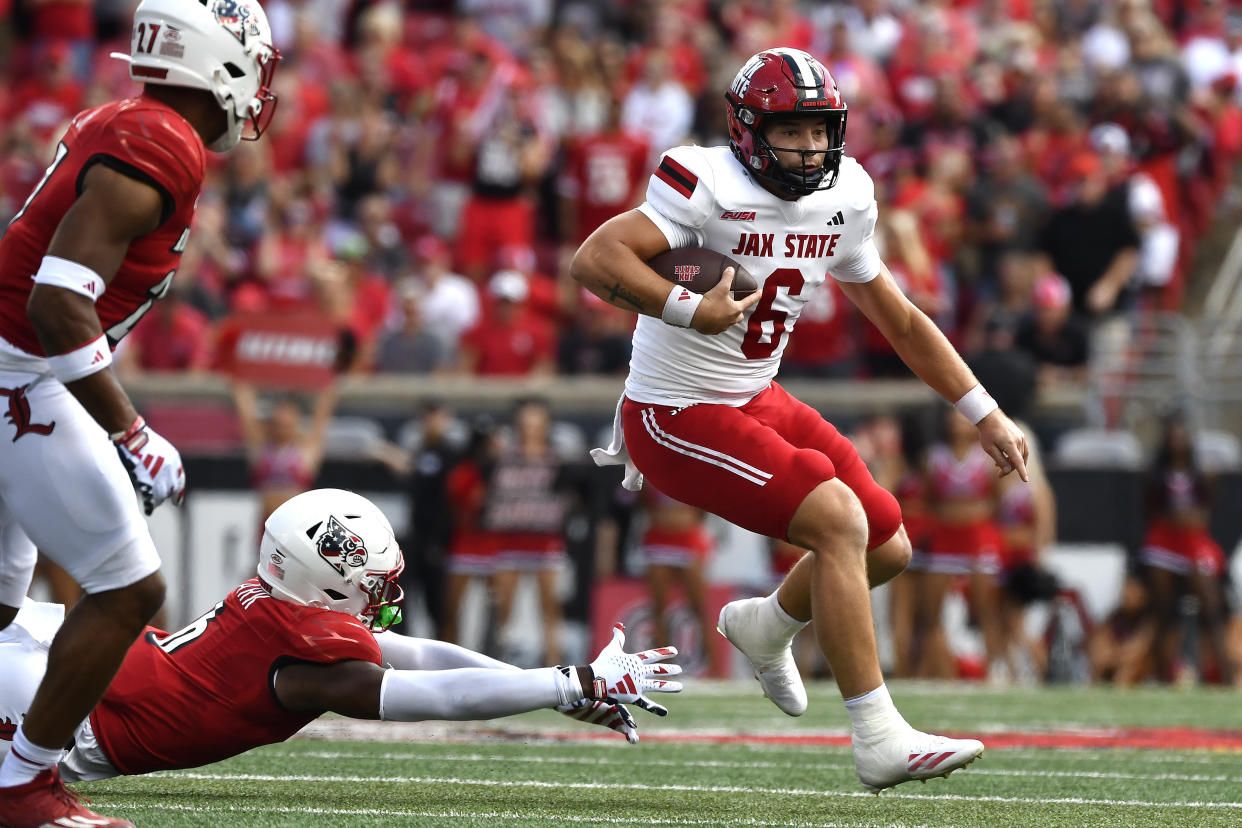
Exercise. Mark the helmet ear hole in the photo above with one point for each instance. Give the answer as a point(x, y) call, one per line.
point(234, 70)
point(334, 595)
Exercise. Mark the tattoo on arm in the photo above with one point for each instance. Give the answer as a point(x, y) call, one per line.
point(621, 293)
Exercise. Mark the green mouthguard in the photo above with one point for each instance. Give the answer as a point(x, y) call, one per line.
point(388, 616)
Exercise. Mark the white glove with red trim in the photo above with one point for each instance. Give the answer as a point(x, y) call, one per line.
point(605, 714)
point(625, 678)
point(154, 465)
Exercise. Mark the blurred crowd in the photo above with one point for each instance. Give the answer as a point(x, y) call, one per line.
point(1039, 164)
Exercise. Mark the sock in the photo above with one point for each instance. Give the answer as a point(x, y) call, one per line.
point(873, 714)
point(776, 622)
point(26, 760)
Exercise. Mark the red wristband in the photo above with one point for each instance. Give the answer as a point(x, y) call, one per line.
point(133, 438)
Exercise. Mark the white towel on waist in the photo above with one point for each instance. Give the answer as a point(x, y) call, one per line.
point(615, 454)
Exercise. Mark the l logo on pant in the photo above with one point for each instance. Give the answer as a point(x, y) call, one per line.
point(19, 413)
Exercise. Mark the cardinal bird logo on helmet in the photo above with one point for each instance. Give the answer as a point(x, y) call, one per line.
point(341, 547)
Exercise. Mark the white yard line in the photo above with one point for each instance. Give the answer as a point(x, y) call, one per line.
point(633, 786)
point(526, 816)
point(558, 729)
point(618, 761)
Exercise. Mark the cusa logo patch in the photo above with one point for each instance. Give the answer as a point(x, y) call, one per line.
point(738, 215)
point(686, 273)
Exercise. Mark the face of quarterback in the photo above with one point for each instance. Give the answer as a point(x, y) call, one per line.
point(807, 137)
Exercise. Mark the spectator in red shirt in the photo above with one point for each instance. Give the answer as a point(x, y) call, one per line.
point(509, 341)
point(544, 297)
point(48, 99)
point(604, 174)
point(292, 246)
point(825, 345)
point(511, 154)
point(173, 336)
point(67, 25)
point(370, 296)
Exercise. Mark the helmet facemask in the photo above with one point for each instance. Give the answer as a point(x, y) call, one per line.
point(800, 182)
point(258, 111)
point(387, 596)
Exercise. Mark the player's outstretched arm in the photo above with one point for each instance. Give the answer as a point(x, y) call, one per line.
point(85, 252)
point(407, 653)
point(611, 264)
point(363, 690)
point(930, 355)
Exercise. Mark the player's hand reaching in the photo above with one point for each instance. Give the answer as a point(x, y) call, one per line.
point(625, 678)
point(719, 311)
point(605, 714)
point(1005, 443)
point(154, 465)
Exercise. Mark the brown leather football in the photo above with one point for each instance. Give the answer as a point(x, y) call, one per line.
point(698, 269)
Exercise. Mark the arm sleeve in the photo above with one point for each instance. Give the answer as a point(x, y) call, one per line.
point(862, 261)
point(465, 695)
point(679, 196)
point(406, 653)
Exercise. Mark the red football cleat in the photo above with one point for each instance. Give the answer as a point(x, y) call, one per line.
point(46, 801)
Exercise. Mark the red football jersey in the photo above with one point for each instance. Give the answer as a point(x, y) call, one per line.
point(604, 174)
point(217, 673)
point(145, 140)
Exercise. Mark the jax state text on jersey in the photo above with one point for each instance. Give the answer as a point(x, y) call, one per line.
point(796, 246)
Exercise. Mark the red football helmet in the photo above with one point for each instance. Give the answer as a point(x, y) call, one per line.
point(785, 82)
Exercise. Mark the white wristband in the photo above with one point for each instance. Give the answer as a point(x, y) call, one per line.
point(81, 362)
point(70, 275)
point(976, 404)
point(680, 306)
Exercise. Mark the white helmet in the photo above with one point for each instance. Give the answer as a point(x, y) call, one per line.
point(222, 46)
point(333, 549)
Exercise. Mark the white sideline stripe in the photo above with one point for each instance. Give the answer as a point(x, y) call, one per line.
point(593, 820)
point(706, 450)
point(655, 432)
point(635, 786)
point(688, 763)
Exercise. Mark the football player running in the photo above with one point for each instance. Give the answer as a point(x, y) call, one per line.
point(95, 244)
point(306, 636)
point(703, 419)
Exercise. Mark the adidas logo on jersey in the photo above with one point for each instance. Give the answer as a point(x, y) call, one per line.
point(838, 219)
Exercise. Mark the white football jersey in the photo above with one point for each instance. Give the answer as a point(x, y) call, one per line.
point(703, 197)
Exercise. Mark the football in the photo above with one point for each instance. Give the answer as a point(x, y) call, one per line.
point(698, 269)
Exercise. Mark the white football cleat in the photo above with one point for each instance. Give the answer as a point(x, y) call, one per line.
point(772, 663)
point(911, 754)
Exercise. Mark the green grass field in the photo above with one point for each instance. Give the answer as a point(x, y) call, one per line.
point(725, 756)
